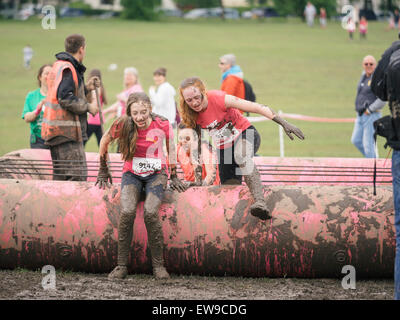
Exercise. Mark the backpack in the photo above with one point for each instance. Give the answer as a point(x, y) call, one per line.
point(379, 81)
point(248, 92)
point(393, 77)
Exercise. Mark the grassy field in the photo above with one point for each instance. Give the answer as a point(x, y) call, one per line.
point(292, 68)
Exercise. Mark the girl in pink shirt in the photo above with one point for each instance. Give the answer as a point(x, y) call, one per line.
point(140, 134)
point(235, 138)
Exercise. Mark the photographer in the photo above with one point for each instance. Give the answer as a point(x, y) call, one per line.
point(368, 108)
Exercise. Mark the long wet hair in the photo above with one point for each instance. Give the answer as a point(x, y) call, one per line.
point(129, 132)
point(97, 73)
point(189, 116)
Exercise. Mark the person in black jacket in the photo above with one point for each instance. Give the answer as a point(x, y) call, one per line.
point(368, 108)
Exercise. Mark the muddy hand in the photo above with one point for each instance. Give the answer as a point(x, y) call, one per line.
point(289, 128)
point(178, 185)
point(104, 175)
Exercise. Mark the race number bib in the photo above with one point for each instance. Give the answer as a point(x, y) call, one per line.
point(146, 166)
point(224, 135)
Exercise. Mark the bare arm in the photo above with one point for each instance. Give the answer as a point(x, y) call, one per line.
point(210, 163)
point(31, 116)
point(248, 106)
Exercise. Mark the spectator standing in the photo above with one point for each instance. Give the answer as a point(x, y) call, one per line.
point(368, 108)
point(232, 76)
point(131, 85)
point(28, 55)
point(162, 96)
point(363, 28)
point(351, 28)
point(309, 13)
point(33, 108)
point(322, 17)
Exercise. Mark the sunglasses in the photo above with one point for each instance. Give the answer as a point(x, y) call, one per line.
point(368, 64)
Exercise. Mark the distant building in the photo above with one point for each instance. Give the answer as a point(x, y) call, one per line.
point(359, 5)
point(165, 4)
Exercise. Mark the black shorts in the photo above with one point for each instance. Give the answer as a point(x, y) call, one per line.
point(144, 184)
point(227, 165)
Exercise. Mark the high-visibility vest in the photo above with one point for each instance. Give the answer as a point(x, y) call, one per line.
point(56, 120)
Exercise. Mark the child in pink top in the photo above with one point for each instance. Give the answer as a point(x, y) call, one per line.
point(363, 27)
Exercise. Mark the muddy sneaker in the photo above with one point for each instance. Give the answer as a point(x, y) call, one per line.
point(160, 273)
point(119, 272)
point(259, 210)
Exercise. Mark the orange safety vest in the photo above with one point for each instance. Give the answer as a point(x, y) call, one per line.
point(56, 120)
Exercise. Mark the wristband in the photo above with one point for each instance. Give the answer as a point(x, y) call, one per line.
point(37, 111)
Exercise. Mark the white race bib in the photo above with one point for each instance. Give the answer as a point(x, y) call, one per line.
point(146, 166)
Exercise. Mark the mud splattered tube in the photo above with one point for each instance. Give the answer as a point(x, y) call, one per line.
point(315, 230)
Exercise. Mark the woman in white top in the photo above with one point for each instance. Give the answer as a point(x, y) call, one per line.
point(162, 96)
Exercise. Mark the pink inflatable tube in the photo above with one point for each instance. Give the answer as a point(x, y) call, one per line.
point(316, 229)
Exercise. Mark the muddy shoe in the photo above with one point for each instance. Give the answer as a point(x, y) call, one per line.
point(119, 272)
point(160, 273)
point(259, 210)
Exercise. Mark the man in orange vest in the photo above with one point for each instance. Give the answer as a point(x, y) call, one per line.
point(65, 116)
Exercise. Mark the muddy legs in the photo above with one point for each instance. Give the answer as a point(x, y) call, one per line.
point(153, 225)
point(129, 200)
point(243, 156)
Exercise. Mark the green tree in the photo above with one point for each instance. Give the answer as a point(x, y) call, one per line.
point(191, 4)
point(140, 9)
point(296, 7)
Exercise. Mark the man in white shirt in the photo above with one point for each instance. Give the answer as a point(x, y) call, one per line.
point(162, 96)
point(309, 13)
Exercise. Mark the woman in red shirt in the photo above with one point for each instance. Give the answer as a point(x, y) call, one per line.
point(235, 138)
point(140, 134)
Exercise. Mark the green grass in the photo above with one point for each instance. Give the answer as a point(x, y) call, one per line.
point(292, 68)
